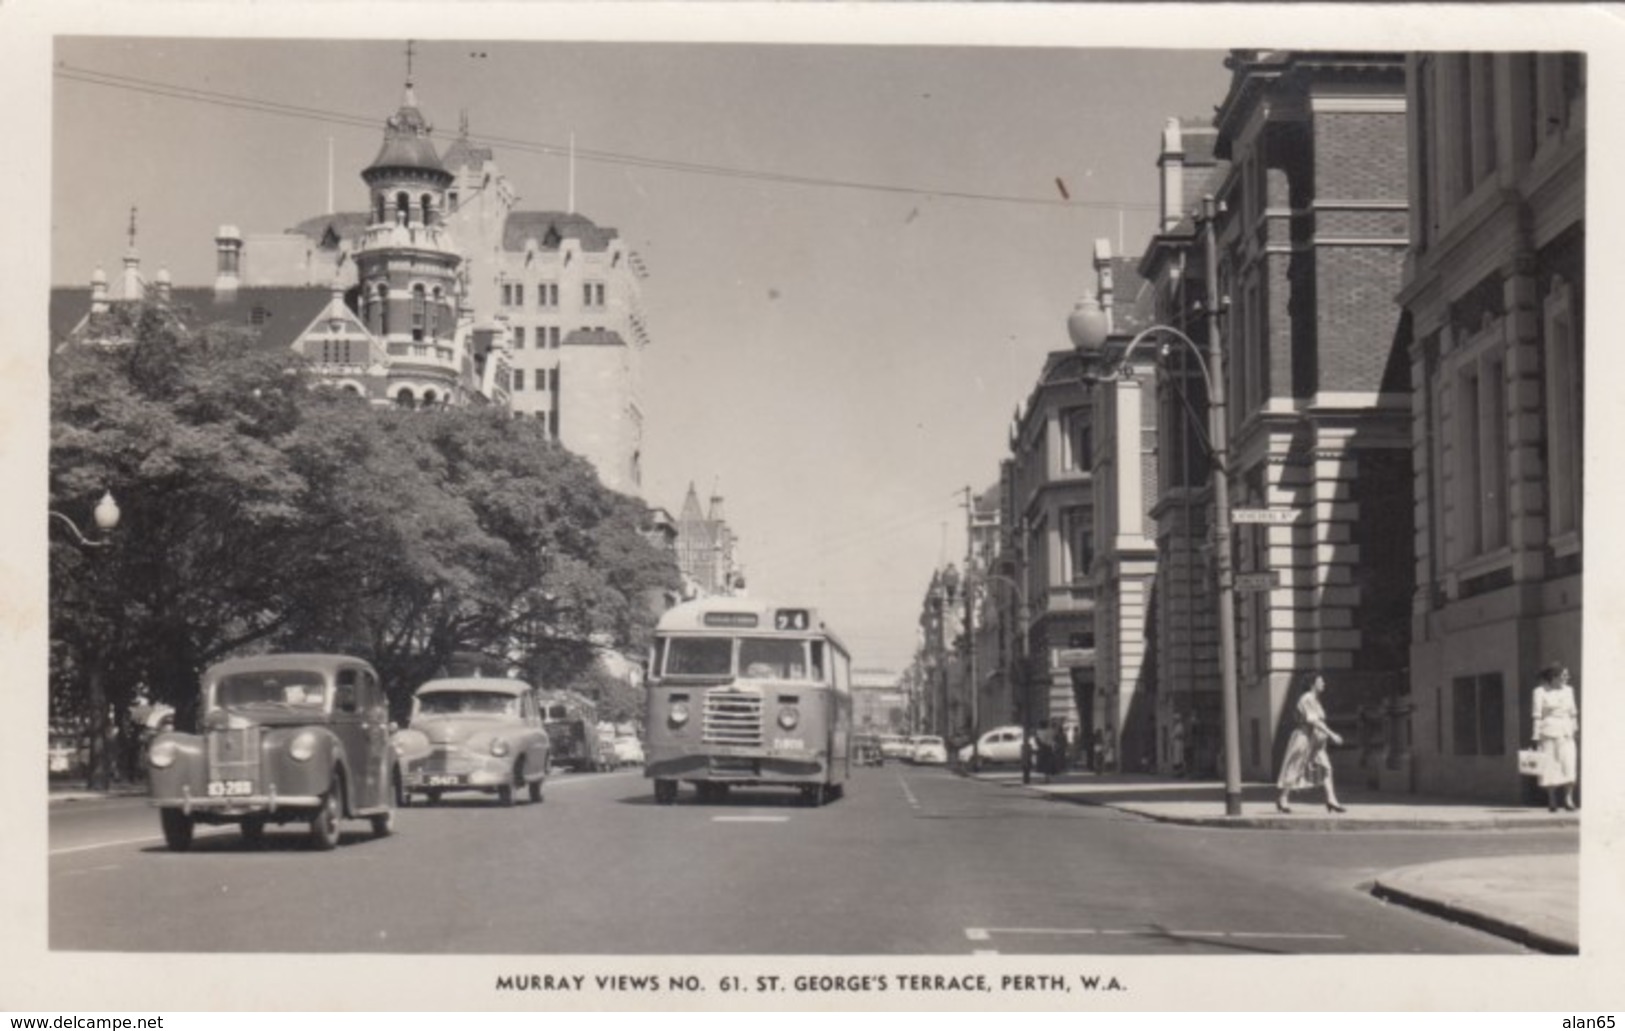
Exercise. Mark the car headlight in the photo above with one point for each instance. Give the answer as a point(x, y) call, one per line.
point(789, 716)
point(162, 755)
point(303, 746)
point(679, 713)
point(499, 747)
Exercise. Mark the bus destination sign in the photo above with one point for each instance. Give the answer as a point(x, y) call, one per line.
point(737, 619)
point(791, 619)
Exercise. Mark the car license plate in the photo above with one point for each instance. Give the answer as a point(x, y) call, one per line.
point(230, 788)
point(441, 780)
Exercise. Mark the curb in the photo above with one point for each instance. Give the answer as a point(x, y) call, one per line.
point(1473, 918)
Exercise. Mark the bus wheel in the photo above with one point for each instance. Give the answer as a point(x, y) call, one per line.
point(665, 792)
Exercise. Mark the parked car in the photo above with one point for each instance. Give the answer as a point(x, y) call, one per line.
point(628, 750)
point(286, 738)
point(999, 745)
point(930, 751)
point(866, 751)
point(895, 746)
point(474, 734)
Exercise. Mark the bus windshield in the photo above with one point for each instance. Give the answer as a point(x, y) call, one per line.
point(699, 656)
point(769, 659)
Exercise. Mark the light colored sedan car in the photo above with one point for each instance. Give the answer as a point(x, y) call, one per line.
point(930, 751)
point(474, 734)
point(628, 750)
point(999, 745)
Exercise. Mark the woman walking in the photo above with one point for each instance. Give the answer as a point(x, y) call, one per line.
point(1306, 763)
point(1557, 720)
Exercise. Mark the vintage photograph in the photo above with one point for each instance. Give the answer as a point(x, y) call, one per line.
point(854, 515)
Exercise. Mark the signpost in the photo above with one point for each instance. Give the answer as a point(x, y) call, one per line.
point(1258, 581)
point(1271, 516)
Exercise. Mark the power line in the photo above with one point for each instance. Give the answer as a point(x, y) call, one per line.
point(216, 98)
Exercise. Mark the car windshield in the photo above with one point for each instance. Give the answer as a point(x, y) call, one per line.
point(462, 703)
point(301, 687)
point(928, 741)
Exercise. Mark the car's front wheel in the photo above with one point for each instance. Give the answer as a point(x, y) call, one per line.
point(324, 825)
point(177, 829)
point(383, 823)
point(665, 792)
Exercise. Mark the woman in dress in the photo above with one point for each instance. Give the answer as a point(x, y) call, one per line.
point(1557, 720)
point(1306, 763)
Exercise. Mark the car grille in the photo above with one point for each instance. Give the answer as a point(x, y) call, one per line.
point(732, 718)
point(235, 754)
point(445, 760)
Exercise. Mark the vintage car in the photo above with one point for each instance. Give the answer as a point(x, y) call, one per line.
point(628, 750)
point(286, 738)
point(474, 734)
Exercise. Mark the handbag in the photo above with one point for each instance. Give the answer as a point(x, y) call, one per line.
point(1531, 762)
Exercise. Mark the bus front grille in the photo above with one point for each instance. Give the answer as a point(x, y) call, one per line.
point(733, 718)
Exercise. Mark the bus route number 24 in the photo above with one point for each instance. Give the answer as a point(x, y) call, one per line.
point(790, 619)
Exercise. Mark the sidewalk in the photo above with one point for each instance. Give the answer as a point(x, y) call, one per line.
point(1531, 899)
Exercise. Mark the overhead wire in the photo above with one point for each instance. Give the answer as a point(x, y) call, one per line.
point(217, 98)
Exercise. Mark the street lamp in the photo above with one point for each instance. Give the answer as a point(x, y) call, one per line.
point(1090, 325)
point(106, 515)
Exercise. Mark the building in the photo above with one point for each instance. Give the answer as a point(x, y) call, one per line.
point(1051, 506)
point(442, 291)
point(1494, 295)
point(1122, 463)
point(1312, 230)
point(706, 553)
point(879, 703)
point(1183, 619)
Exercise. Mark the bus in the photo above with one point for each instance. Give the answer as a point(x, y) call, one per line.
point(745, 692)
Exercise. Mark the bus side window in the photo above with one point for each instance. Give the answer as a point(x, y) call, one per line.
point(817, 650)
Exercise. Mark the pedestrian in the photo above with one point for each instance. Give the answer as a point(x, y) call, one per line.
point(1176, 746)
point(1097, 752)
point(1306, 763)
point(1557, 721)
point(1045, 748)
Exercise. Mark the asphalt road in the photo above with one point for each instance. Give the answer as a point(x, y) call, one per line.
point(913, 861)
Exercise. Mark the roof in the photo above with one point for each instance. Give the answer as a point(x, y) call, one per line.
point(1133, 303)
point(287, 660)
point(550, 228)
point(277, 314)
point(462, 154)
point(495, 685)
point(406, 140)
point(593, 338)
point(346, 225)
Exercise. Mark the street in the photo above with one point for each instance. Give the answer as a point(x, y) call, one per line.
point(913, 861)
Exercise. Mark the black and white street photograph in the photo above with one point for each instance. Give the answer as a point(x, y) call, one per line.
point(866, 506)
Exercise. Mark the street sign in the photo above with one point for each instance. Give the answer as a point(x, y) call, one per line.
point(1258, 581)
point(1273, 516)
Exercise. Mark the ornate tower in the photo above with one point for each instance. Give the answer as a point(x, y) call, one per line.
point(408, 264)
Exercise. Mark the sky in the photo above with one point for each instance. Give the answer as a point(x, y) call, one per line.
point(837, 357)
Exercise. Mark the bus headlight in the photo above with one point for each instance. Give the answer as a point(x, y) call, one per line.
point(162, 755)
point(789, 716)
point(303, 746)
point(679, 714)
point(499, 747)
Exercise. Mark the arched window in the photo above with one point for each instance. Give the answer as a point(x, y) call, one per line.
point(378, 206)
point(435, 312)
point(418, 314)
point(403, 209)
point(428, 208)
point(350, 388)
point(383, 309)
point(428, 398)
point(404, 398)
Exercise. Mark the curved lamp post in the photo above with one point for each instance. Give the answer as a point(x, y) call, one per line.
point(1090, 326)
point(106, 515)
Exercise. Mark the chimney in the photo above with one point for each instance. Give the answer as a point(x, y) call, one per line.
point(98, 292)
point(1103, 276)
point(1172, 163)
point(228, 249)
point(161, 284)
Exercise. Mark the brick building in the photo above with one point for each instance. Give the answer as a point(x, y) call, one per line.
point(1494, 290)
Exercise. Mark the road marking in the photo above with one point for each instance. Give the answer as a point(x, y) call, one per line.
point(113, 844)
point(913, 803)
point(986, 933)
point(90, 869)
point(749, 819)
point(984, 952)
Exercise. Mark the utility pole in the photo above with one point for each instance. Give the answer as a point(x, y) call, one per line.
point(970, 619)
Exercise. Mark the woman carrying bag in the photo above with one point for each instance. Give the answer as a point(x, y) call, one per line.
point(1306, 763)
point(1557, 721)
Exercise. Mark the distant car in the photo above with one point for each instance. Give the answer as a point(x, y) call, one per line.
point(474, 734)
point(628, 750)
point(866, 751)
point(285, 738)
point(999, 745)
point(895, 746)
point(930, 751)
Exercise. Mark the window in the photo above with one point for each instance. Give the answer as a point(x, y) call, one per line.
point(507, 295)
point(1493, 438)
point(1565, 411)
point(1468, 470)
point(699, 656)
point(519, 338)
point(403, 209)
point(1478, 715)
point(383, 309)
point(1077, 549)
point(419, 312)
point(592, 295)
point(519, 379)
point(434, 312)
point(1075, 440)
point(519, 295)
point(547, 295)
